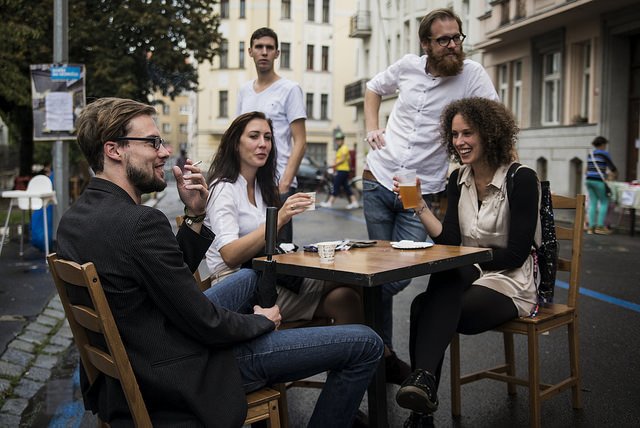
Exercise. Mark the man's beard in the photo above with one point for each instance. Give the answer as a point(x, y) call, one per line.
point(444, 65)
point(143, 182)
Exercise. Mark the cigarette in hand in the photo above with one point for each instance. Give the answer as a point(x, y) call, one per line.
point(197, 163)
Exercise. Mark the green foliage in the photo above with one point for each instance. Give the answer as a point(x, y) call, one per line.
point(131, 48)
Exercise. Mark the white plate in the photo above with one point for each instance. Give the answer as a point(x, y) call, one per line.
point(411, 245)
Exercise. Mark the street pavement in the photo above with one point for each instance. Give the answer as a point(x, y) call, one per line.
point(39, 383)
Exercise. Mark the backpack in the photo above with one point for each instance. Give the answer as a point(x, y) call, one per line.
point(546, 254)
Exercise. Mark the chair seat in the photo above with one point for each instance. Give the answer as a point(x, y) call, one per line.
point(545, 315)
point(263, 405)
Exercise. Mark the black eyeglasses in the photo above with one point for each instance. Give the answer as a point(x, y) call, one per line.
point(156, 141)
point(445, 40)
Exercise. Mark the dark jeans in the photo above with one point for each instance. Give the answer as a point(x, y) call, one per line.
point(341, 179)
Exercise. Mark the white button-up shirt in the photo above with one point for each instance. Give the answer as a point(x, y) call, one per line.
point(413, 132)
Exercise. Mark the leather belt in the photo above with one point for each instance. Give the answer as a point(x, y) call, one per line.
point(368, 175)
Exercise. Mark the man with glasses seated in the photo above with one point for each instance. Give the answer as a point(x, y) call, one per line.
point(411, 139)
point(194, 360)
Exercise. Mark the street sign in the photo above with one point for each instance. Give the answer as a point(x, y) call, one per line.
point(58, 96)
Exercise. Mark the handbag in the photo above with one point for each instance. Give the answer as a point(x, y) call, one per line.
point(607, 189)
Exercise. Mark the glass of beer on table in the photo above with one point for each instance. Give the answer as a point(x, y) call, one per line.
point(408, 188)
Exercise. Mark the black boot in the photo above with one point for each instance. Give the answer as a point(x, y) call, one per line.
point(418, 392)
point(418, 420)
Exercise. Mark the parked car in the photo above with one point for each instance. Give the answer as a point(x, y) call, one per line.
point(311, 175)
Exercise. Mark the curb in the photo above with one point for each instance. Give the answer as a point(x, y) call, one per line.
point(29, 360)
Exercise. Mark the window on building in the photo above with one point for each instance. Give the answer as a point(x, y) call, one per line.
point(325, 11)
point(551, 66)
point(310, 106)
point(311, 10)
point(166, 128)
point(541, 168)
point(317, 152)
point(516, 94)
point(184, 109)
point(224, 8)
point(166, 109)
point(325, 58)
point(241, 52)
point(224, 54)
point(243, 9)
point(576, 171)
point(183, 128)
point(309, 57)
point(585, 93)
point(324, 106)
point(285, 55)
point(285, 9)
point(223, 104)
point(503, 83)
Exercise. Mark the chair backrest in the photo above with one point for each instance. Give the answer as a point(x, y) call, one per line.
point(84, 321)
point(39, 183)
point(572, 233)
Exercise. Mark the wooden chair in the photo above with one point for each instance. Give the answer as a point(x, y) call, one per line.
point(549, 317)
point(113, 361)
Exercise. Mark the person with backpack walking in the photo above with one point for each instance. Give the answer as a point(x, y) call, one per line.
point(479, 134)
point(599, 164)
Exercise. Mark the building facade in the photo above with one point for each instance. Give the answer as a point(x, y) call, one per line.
point(315, 51)
point(569, 71)
point(176, 122)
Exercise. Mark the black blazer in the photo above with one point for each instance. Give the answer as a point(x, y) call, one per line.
point(179, 343)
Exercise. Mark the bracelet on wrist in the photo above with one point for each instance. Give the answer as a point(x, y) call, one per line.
point(190, 219)
point(418, 212)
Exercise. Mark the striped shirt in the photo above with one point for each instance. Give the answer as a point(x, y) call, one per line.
point(602, 158)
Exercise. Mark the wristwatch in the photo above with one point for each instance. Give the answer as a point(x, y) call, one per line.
point(190, 220)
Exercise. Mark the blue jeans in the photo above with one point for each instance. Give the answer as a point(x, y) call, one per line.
point(387, 220)
point(350, 354)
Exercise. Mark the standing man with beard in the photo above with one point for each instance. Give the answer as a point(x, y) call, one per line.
point(411, 139)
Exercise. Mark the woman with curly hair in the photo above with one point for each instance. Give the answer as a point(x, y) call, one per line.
point(479, 134)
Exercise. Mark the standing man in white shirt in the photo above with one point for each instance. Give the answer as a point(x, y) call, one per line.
point(281, 100)
point(411, 139)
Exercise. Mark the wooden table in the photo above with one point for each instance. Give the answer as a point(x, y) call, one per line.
point(370, 267)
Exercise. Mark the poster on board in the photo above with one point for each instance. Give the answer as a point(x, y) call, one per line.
point(57, 97)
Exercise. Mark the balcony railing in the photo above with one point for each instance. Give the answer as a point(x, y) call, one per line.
point(354, 92)
point(360, 25)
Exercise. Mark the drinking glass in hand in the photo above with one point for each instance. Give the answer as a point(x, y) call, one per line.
point(408, 188)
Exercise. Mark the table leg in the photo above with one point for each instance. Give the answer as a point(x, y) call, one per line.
point(377, 391)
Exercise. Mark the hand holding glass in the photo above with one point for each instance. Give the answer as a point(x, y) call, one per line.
point(408, 188)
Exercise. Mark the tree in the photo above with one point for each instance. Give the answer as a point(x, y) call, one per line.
point(131, 49)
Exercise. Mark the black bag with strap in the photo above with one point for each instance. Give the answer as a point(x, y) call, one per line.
point(546, 255)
